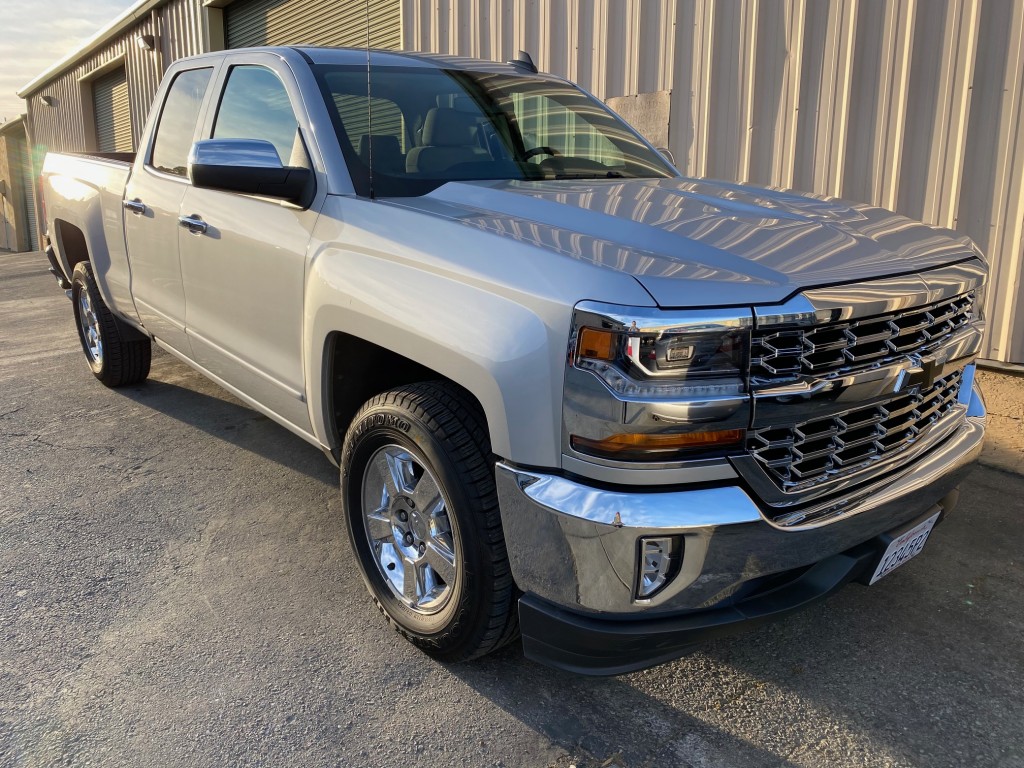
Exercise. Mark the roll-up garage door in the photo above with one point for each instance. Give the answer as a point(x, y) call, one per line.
point(113, 118)
point(313, 22)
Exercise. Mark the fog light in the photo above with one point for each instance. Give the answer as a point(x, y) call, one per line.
point(659, 561)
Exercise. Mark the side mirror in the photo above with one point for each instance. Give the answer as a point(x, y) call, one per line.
point(250, 166)
point(667, 154)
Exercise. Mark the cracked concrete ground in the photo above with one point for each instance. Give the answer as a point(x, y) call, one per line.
point(1004, 397)
point(176, 589)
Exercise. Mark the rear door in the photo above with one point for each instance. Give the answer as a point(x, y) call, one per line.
point(152, 199)
point(244, 275)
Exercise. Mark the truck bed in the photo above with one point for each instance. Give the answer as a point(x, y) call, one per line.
point(83, 194)
point(119, 157)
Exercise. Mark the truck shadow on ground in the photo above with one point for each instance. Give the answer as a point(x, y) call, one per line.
point(207, 407)
point(611, 722)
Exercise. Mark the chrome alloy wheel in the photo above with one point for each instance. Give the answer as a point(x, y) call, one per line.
point(405, 516)
point(90, 325)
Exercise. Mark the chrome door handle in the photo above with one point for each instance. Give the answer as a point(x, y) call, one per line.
point(135, 206)
point(193, 224)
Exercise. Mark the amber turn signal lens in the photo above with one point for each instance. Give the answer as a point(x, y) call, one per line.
point(597, 345)
point(654, 446)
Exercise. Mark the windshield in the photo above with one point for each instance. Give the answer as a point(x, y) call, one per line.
point(424, 127)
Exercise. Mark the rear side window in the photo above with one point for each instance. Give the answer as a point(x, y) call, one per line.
point(178, 120)
point(255, 105)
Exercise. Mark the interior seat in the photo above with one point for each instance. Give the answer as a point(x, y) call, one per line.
point(387, 154)
point(449, 138)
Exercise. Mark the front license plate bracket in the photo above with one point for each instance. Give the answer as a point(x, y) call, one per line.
point(903, 545)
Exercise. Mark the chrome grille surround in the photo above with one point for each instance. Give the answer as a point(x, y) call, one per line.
point(865, 421)
point(787, 353)
point(810, 453)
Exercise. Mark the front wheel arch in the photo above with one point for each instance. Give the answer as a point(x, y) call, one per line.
point(356, 370)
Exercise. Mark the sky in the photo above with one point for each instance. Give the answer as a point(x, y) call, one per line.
point(35, 34)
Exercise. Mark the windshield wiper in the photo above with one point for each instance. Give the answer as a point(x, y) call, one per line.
point(608, 175)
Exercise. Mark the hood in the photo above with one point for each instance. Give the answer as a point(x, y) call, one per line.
point(691, 242)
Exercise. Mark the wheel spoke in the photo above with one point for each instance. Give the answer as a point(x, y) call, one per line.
point(427, 495)
point(410, 580)
point(441, 561)
point(399, 470)
point(382, 466)
point(90, 326)
point(378, 526)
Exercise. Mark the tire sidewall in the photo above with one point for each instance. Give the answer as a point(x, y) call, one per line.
point(390, 425)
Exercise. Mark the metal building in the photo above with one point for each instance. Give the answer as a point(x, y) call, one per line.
point(17, 189)
point(914, 105)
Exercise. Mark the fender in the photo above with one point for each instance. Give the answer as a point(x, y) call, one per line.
point(502, 357)
point(488, 313)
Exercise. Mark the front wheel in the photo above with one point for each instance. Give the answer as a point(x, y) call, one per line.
point(421, 506)
point(118, 354)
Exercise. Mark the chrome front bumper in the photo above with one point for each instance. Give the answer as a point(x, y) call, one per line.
point(576, 546)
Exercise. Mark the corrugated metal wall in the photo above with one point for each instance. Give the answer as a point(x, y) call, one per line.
point(909, 104)
point(28, 187)
point(178, 30)
point(15, 204)
point(312, 22)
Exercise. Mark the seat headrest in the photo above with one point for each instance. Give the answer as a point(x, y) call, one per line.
point(384, 145)
point(446, 127)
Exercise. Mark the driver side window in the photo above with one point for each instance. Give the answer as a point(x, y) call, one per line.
point(255, 105)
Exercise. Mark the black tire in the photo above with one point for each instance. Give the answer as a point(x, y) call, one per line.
point(442, 428)
point(123, 355)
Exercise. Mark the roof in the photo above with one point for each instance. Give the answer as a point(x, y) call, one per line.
point(137, 13)
point(390, 58)
point(5, 127)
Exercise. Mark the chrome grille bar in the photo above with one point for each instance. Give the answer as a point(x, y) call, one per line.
point(810, 453)
point(786, 353)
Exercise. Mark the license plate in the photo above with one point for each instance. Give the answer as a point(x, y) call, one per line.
point(904, 548)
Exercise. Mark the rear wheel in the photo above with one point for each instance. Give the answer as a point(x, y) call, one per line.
point(422, 513)
point(117, 353)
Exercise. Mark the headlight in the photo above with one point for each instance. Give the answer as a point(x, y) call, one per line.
point(677, 355)
point(646, 385)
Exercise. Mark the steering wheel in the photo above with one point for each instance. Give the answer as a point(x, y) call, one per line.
point(540, 151)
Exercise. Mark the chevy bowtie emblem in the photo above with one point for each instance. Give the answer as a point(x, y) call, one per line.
point(921, 375)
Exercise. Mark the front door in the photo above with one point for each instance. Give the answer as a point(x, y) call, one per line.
point(244, 270)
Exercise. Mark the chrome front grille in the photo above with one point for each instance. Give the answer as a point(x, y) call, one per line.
point(835, 348)
point(813, 452)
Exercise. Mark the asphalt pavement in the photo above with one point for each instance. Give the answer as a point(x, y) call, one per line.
point(176, 589)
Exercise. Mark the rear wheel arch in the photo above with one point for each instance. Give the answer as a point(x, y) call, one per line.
point(71, 245)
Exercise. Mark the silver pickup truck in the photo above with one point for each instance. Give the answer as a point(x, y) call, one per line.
point(572, 393)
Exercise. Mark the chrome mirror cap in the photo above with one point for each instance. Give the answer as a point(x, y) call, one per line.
point(236, 153)
point(248, 166)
